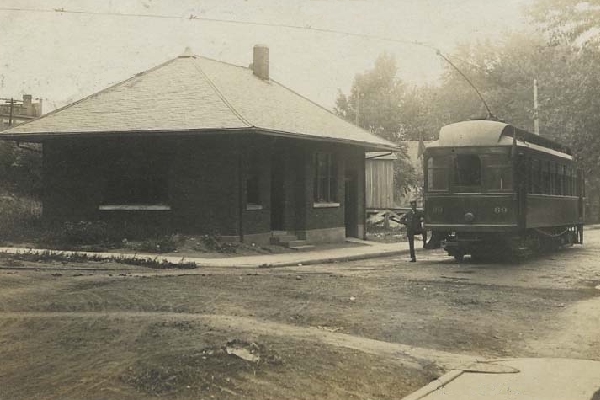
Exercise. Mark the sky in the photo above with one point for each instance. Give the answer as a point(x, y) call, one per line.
point(61, 57)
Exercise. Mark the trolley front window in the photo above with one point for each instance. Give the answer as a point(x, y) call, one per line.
point(498, 172)
point(467, 171)
point(437, 173)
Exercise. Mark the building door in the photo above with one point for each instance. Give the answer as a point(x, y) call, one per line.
point(351, 204)
point(278, 191)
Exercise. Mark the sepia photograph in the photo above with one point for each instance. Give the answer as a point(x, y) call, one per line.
point(300, 199)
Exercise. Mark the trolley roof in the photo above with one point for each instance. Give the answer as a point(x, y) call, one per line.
point(478, 133)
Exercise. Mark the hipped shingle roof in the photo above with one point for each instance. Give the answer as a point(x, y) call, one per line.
point(196, 94)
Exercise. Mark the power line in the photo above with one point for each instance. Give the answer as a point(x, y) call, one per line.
point(237, 22)
point(234, 22)
point(193, 17)
point(219, 20)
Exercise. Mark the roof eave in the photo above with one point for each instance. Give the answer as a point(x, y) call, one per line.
point(368, 146)
point(42, 136)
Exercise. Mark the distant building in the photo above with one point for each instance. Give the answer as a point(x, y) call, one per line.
point(380, 190)
point(14, 112)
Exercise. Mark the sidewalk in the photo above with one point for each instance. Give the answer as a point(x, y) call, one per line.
point(316, 256)
point(517, 379)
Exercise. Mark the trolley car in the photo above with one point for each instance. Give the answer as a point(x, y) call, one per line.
point(492, 189)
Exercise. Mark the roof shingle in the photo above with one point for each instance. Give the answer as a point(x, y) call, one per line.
point(197, 94)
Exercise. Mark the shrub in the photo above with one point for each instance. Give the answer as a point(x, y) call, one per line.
point(164, 244)
point(20, 218)
point(85, 233)
point(213, 242)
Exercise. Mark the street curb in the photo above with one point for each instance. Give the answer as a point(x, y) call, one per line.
point(434, 385)
point(333, 260)
point(200, 263)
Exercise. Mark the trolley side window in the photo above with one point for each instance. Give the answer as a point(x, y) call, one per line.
point(467, 171)
point(560, 180)
point(437, 173)
point(498, 172)
point(546, 180)
point(536, 177)
point(571, 181)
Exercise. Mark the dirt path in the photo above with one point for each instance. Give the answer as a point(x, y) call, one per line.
point(409, 356)
point(575, 334)
point(370, 329)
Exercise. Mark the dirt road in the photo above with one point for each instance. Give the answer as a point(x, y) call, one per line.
point(374, 329)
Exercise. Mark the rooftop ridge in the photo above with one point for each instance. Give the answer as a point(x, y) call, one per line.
point(222, 96)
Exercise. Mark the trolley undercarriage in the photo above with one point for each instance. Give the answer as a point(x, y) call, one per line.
point(496, 246)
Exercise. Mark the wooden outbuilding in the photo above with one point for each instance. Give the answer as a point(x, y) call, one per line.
point(379, 180)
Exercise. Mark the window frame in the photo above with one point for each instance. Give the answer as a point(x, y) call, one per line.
point(457, 187)
point(536, 181)
point(133, 164)
point(492, 162)
point(325, 184)
point(444, 161)
point(254, 176)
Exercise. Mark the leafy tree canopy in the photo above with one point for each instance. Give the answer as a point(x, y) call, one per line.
point(571, 20)
point(382, 104)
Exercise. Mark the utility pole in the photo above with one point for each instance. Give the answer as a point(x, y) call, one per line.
point(536, 117)
point(10, 114)
point(357, 109)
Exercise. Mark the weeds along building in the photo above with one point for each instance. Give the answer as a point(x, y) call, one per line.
point(200, 146)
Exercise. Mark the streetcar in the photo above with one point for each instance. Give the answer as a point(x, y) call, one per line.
point(491, 189)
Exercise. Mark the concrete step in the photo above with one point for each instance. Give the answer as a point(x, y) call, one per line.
point(282, 239)
point(304, 247)
point(294, 243)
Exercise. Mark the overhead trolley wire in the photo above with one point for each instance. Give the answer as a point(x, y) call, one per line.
point(193, 17)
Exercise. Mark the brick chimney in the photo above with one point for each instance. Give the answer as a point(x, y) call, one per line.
point(260, 62)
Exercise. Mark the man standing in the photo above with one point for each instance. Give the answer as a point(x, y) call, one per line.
point(413, 220)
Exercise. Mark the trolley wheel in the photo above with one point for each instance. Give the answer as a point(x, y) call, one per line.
point(478, 257)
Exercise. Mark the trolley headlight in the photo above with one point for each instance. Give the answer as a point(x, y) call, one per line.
point(469, 217)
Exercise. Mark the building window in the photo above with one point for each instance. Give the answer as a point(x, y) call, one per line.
point(325, 190)
point(138, 175)
point(253, 180)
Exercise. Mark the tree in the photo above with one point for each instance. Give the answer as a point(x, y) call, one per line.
point(576, 24)
point(382, 104)
point(20, 170)
point(375, 99)
point(571, 20)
